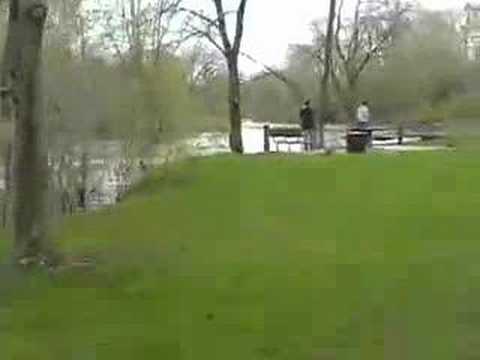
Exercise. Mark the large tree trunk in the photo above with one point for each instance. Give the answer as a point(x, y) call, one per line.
point(22, 73)
point(7, 181)
point(347, 93)
point(351, 98)
point(324, 108)
point(231, 52)
point(235, 115)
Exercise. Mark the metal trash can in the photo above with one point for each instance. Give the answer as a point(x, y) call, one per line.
point(357, 141)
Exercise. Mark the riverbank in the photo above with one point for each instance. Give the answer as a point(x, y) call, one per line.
point(110, 175)
point(266, 257)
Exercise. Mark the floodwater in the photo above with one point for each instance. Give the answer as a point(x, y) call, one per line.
point(108, 180)
point(253, 142)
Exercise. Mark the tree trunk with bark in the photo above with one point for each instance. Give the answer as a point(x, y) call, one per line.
point(7, 180)
point(22, 75)
point(236, 143)
point(231, 51)
point(324, 108)
point(351, 102)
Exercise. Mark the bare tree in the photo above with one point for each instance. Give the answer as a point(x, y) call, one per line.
point(212, 29)
point(141, 29)
point(203, 65)
point(164, 12)
point(362, 39)
point(21, 77)
point(324, 104)
point(60, 26)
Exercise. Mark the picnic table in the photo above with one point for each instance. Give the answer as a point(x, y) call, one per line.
point(284, 135)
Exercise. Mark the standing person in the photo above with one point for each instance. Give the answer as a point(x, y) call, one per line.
point(363, 115)
point(363, 120)
point(82, 197)
point(308, 124)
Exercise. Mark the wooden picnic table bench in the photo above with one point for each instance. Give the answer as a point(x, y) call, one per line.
point(286, 135)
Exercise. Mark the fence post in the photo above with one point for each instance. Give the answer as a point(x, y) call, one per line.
point(266, 138)
point(400, 134)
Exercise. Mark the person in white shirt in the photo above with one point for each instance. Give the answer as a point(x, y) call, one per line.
point(363, 115)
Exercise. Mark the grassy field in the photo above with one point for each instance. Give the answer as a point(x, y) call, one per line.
point(267, 258)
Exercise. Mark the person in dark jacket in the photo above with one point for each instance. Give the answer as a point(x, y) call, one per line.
point(308, 124)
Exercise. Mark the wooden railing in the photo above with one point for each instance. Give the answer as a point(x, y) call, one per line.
point(293, 135)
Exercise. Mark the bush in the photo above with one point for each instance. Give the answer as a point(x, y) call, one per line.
point(465, 107)
point(433, 114)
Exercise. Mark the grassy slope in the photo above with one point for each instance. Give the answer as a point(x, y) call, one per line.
point(269, 258)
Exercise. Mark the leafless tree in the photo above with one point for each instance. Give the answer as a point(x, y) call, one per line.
point(324, 103)
point(60, 26)
point(362, 39)
point(21, 81)
point(216, 32)
point(164, 12)
point(203, 65)
point(140, 29)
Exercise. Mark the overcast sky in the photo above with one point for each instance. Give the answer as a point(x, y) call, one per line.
point(271, 25)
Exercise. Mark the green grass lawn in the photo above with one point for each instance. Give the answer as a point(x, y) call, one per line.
point(290, 258)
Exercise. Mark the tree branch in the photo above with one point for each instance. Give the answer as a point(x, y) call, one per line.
point(208, 36)
point(292, 85)
point(201, 16)
point(354, 44)
point(239, 30)
point(338, 44)
point(222, 26)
